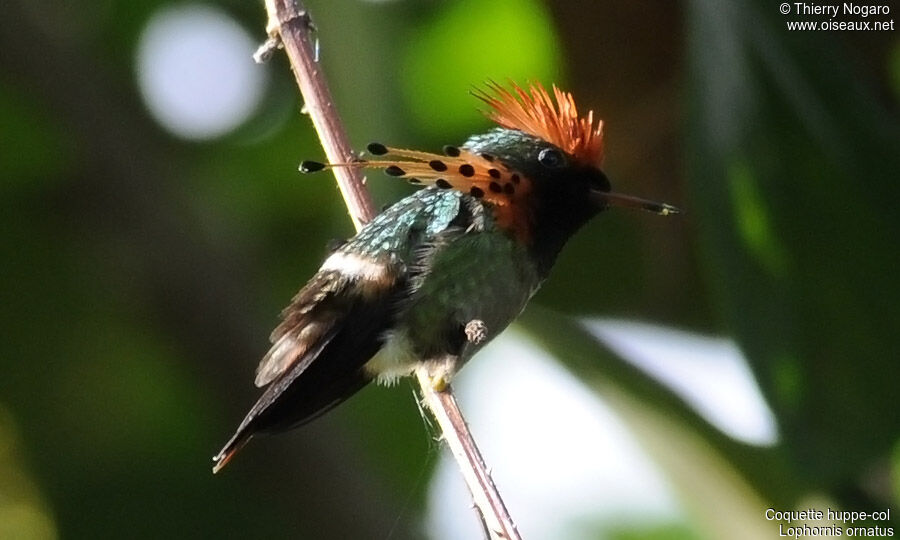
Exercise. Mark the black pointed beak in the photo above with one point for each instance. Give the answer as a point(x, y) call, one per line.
point(605, 199)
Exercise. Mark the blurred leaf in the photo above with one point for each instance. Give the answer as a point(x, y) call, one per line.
point(664, 532)
point(698, 472)
point(764, 468)
point(893, 69)
point(34, 147)
point(895, 474)
point(753, 222)
point(791, 163)
point(23, 512)
point(468, 42)
point(152, 422)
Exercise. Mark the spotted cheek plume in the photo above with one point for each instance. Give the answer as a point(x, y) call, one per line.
point(482, 176)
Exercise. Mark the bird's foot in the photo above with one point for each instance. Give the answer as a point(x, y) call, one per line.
point(476, 331)
point(439, 383)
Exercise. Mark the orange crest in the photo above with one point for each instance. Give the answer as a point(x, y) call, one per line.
point(556, 122)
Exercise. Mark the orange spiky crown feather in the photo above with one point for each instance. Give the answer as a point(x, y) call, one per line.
point(536, 113)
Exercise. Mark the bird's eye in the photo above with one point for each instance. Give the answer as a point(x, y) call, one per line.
point(551, 158)
point(599, 182)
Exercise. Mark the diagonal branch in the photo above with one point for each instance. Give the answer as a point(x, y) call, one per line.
point(445, 410)
point(292, 23)
point(289, 26)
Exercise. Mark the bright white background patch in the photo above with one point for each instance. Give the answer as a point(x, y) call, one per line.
point(196, 73)
point(709, 373)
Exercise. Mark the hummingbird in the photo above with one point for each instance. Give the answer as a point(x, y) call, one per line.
point(438, 274)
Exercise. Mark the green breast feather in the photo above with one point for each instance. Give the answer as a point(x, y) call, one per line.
point(458, 267)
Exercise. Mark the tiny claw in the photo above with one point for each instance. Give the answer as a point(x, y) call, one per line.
point(476, 331)
point(439, 383)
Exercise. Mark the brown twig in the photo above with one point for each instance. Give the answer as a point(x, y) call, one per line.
point(289, 22)
point(289, 26)
point(443, 407)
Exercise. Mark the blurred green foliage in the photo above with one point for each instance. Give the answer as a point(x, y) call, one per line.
point(452, 51)
point(141, 273)
point(803, 254)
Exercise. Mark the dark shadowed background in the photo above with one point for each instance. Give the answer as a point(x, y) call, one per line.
point(153, 223)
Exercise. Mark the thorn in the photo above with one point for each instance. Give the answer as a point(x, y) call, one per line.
point(267, 49)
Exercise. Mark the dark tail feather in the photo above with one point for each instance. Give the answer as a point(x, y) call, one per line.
point(309, 389)
point(287, 404)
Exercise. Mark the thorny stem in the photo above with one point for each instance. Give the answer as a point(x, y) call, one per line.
point(289, 22)
point(443, 407)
